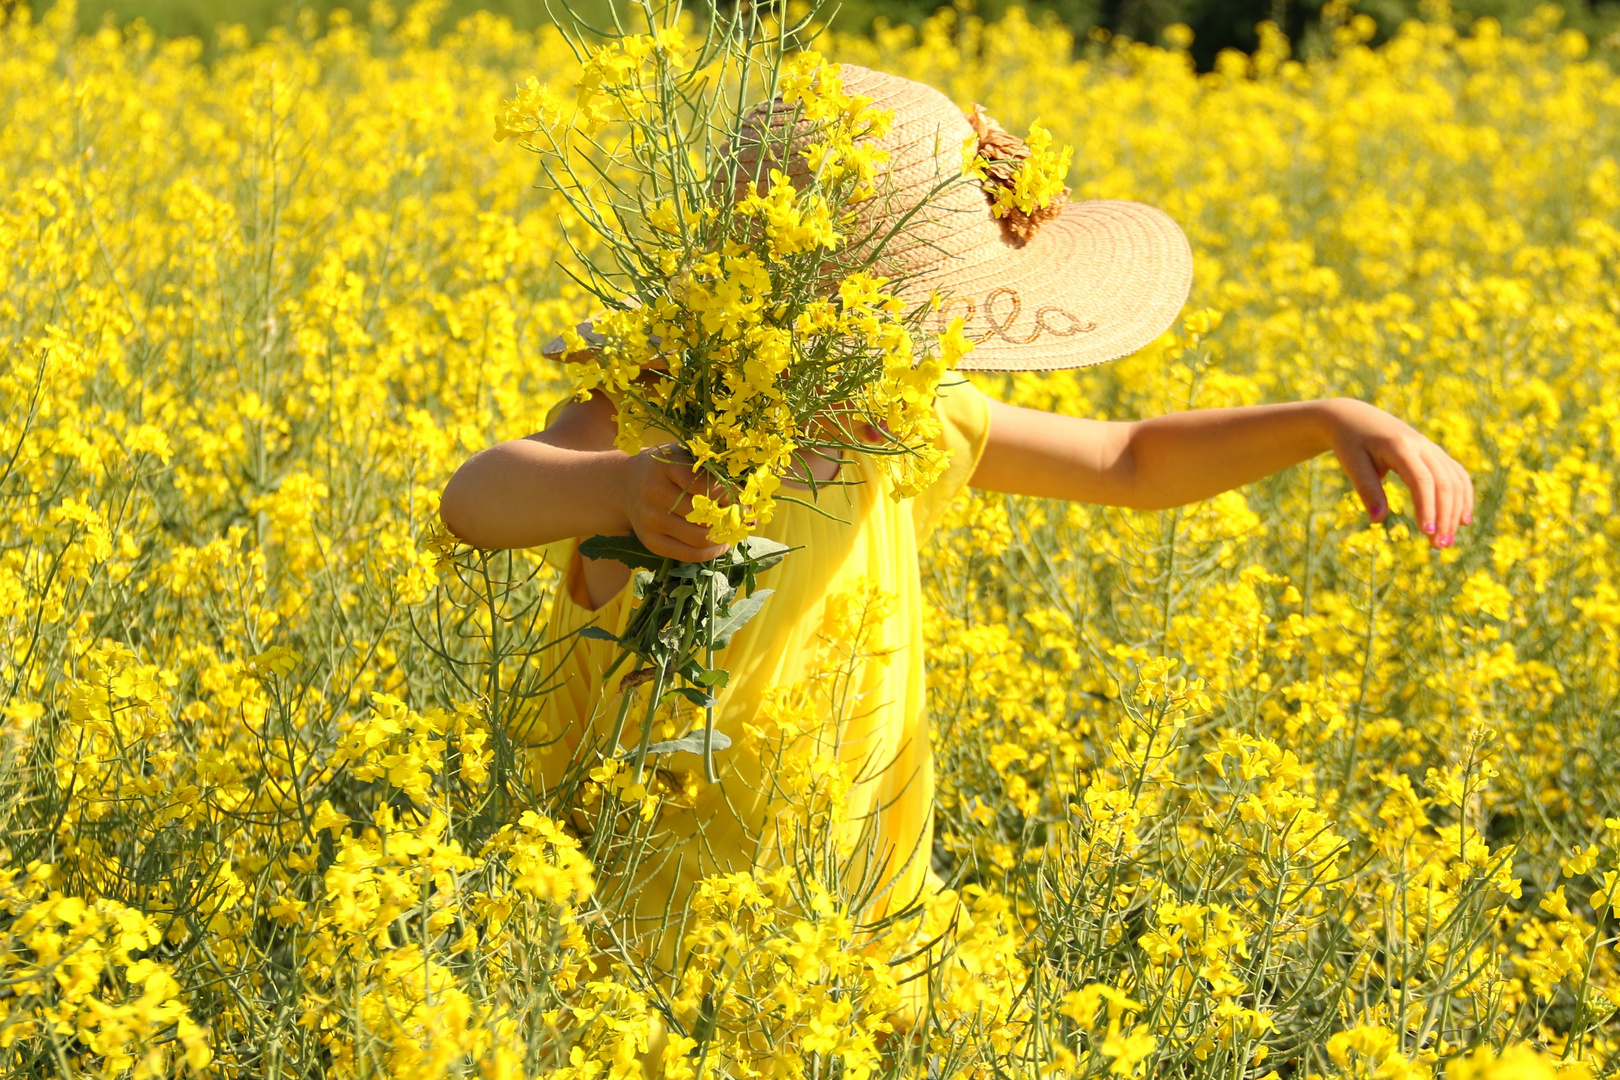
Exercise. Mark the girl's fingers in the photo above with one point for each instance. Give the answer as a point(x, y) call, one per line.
point(1460, 480)
point(684, 541)
point(673, 547)
point(1442, 491)
point(678, 472)
point(690, 482)
point(1462, 497)
point(675, 501)
point(680, 477)
point(682, 531)
point(663, 497)
point(1414, 473)
point(1365, 478)
point(1447, 497)
point(1468, 505)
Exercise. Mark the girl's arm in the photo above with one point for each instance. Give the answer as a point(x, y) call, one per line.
point(569, 481)
point(1183, 457)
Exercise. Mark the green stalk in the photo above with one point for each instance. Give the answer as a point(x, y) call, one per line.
point(708, 710)
point(647, 721)
point(618, 723)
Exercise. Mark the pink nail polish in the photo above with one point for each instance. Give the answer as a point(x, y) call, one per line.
point(1468, 519)
point(1428, 527)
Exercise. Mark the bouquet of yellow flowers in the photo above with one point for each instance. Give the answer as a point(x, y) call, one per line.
point(745, 318)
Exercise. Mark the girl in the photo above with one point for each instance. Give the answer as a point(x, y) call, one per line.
point(1063, 287)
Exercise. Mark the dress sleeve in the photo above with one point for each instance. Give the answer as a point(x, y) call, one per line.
point(964, 418)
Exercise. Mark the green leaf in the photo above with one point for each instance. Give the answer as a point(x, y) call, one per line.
point(687, 744)
point(695, 696)
point(713, 678)
point(640, 583)
point(722, 587)
point(762, 552)
point(752, 556)
point(596, 633)
point(740, 613)
point(626, 549)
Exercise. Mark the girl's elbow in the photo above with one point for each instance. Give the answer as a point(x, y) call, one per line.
point(456, 510)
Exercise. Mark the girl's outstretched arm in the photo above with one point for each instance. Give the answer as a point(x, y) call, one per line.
point(1172, 460)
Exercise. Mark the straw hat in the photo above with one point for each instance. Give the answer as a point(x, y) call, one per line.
point(1096, 282)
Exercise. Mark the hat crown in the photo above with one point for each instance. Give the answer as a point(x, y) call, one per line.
point(924, 210)
point(925, 145)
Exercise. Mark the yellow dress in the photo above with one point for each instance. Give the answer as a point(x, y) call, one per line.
point(883, 742)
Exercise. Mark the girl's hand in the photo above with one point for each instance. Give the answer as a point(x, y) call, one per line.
point(658, 490)
point(1370, 443)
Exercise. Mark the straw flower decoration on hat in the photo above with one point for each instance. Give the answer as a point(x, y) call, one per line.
point(1023, 180)
point(795, 274)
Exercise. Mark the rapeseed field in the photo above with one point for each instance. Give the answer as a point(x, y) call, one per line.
point(1248, 789)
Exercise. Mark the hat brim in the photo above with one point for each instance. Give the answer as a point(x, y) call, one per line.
point(1098, 282)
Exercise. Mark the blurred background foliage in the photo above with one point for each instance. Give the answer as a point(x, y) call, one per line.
point(1215, 24)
